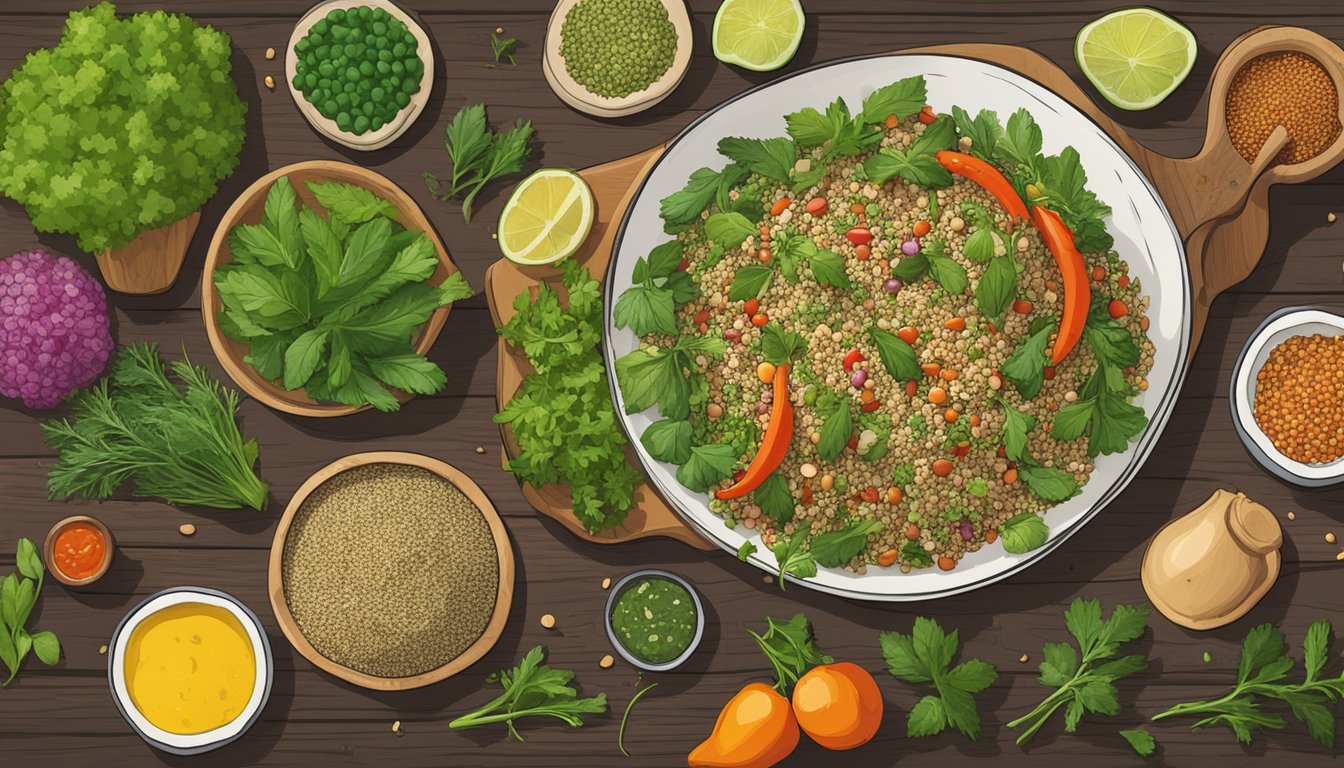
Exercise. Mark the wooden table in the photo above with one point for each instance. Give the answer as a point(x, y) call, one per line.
point(63, 716)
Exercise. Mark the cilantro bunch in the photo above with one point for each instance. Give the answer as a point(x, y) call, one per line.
point(925, 656)
point(333, 304)
point(533, 689)
point(126, 125)
point(562, 416)
point(1262, 675)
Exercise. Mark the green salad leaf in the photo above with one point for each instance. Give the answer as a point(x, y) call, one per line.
point(834, 549)
point(836, 429)
point(835, 130)
point(1025, 367)
point(771, 158)
point(774, 498)
point(779, 346)
point(649, 305)
point(898, 357)
point(1023, 533)
point(900, 100)
point(925, 656)
point(707, 465)
point(728, 229)
point(668, 440)
point(793, 557)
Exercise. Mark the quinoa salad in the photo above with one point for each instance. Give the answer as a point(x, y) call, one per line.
point(889, 338)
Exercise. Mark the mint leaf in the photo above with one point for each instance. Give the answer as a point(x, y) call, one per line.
point(997, 287)
point(1049, 483)
point(771, 158)
point(834, 549)
point(835, 432)
point(645, 310)
point(350, 204)
point(779, 346)
point(303, 357)
point(1016, 426)
point(1023, 533)
point(408, 372)
point(668, 440)
point(728, 229)
point(898, 357)
point(749, 282)
point(708, 465)
point(1025, 367)
point(829, 269)
point(774, 498)
point(682, 208)
point(900, 99)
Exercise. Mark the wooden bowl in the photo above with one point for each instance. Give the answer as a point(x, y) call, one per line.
point(49, 545)
point(584, 100)
point(247, 209)
point(503, 597)
point(389, 133)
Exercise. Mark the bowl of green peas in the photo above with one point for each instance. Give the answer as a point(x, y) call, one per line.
point(360, 71)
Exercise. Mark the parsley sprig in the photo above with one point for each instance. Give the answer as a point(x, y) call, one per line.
point(1103, 411)
point(1084, 677)
point(533, 689)
point(925, 656)
point(1261, 675)
point(479, 155)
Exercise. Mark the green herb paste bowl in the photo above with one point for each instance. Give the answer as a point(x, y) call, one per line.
point(697, 631)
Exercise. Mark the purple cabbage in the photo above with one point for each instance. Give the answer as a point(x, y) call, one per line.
point(54, 336)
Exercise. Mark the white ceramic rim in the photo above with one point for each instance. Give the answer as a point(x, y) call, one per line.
point(195, 741)
point(401, 122)
point(1145, 237)
point(1276, 329)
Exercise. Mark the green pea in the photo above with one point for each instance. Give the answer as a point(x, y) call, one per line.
point(376, 123)
point(402, 99)
point(343, 121)
point(378, 94)
point(330, 107)
point(325, 69)
point(841, 483)
point(321, 27)
point(399, 50)
point(309, 79)
point(366, 69)
point(361, 124)
point(297, 82)
point(303, 45)
point(322, 52)
point(810, 395)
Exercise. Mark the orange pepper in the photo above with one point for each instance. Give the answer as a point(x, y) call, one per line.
point(987, 177)
point(1077, 290)
point(755, 729)
point(774, 444)
point(838, 705)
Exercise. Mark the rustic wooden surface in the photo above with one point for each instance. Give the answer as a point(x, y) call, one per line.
point(64, 717)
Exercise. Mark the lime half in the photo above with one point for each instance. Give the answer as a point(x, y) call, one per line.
point(760, 35)
point(1135, 57)
point(547, 217)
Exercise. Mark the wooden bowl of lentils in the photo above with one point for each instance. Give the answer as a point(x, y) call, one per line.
point(391, 571)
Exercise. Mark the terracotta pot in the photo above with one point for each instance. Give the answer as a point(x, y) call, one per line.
point(1209, 567)
point(150, 262)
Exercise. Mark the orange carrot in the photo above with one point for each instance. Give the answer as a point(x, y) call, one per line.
point(1077, 291)
point(755, 729)
point(987, 177)
point(774, 444)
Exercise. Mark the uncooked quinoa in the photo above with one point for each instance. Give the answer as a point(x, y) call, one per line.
point(1299, 398)
point(390, 570)
point(892, 338)
point(1291, 89)
point(617, 47)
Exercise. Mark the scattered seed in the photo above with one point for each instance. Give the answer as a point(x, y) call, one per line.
point(270, 54)
point(1207, 657)
point(606, 583)
point(606, 662)
point(480, 449)
point(1022, 658)
point(102, 650)
point(499, 30)
point(186, 529)
point(1292, 516)
point(396, 727)
point(769, 579)
point(1330, 217)
point(1340, 556)
point(270, 82)
point(1330, 538)
point(548, 621)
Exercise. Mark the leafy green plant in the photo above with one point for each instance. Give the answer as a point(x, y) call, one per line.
point(126, 125)
point(791, 649)
point(533, 689)
point(1141, 741)
point(179, 442)
point(504, 48)
point(925, 656)
point(479, 155)
point(562, 416)
point(1261, 674)
point(332, 304)
point(18, 596)
point(1084, 677)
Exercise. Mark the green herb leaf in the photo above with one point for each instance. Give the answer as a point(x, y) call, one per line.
point(645, 309)
point(1025, 367)
point(916, 555)
point(728, 229)
point(949, 275)
point(1023, 533)
point(771, 158)
point(921, 169)
point(835, 432)
point(533, 689)
point(925, 657)
point(829, 269)
point(682, 208)
point(504, 48)
point(834, 549)
point(303, 357)
point(793, 558)
point(779, 346)
point(1021, 142)
point(898, 357)
point(983, 131)
point(750, 282)
point(480, 155)
point(1049, 483)
point(774, 498)
point(1141, 741)
point(745, 551)
point(668, 440)
point(901, 99)
point(28, 561)
point(791, 650)
point(408, 372)
point(910, 268)
point(1016, 426)
point(649, 376)
point(47, 647)
point(348, 203)
point(708, 465)
point(997, 287)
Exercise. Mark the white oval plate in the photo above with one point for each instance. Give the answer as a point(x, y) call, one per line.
point(1144, 236)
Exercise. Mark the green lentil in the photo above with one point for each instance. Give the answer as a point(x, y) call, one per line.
point(358, 68)
point(654, 618)
point(390, 570)
point(617, 47)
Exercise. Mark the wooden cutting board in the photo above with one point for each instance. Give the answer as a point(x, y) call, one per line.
point(1218, 201)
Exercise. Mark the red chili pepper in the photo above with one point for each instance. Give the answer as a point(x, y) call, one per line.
point(1077, 290)
point(859, 236)
point(987, 177)
point(774, 444)
point(854, 356)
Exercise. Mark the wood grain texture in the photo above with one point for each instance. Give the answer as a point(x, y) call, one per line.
point(64, 717)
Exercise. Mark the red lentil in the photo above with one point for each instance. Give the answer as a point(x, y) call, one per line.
point(1299, 398)
point(1289, 89)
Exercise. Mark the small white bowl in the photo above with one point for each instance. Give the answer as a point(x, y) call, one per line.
point(196, 743)
point(393, 129)
point(1276, 329)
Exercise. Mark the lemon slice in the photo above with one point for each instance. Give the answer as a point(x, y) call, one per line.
point(760, 35)
point(547, 217)
point(1135, 57)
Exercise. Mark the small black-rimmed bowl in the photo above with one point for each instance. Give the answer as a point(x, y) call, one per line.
point(1277, 328)
point(624, 583)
